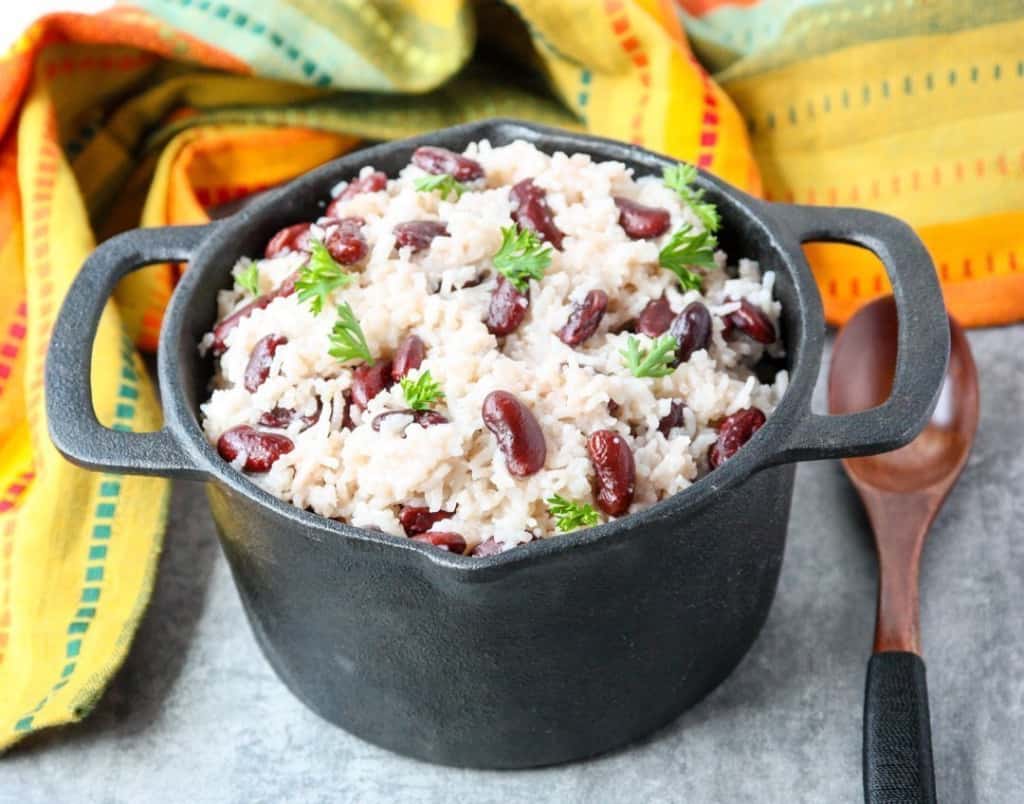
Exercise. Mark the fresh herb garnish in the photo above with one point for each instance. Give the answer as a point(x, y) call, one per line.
point(656, 362)
point(422, 392)
point(443, 183)
point(320, 277)
point(685, 248)
point(347, 339)
point(521, 257)
point(249, 280)
point(680, 177)
point(571, 515)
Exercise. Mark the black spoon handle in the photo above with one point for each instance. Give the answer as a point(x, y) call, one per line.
point(897, 734)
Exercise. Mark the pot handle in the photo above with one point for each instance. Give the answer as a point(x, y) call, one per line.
point(923, 338)
point(74, 428)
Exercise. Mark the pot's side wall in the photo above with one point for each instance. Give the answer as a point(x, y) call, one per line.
point(549, 662)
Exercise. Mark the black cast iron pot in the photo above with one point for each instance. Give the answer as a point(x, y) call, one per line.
point(553, 651)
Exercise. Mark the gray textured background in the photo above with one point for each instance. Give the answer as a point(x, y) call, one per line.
point(196, 714)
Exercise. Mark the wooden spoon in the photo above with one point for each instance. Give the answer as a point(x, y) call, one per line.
point(902, 492)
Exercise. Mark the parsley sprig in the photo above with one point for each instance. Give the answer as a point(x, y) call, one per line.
point(347, 339)
point(688, 247)
point(655, 362)
point(571, 515)
point(249, 279)
point(680, 177)
point(320, 277)
point(443, 183)
point(521, 257)
point(422, 392)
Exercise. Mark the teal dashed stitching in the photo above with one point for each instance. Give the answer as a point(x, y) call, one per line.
point(110, 488)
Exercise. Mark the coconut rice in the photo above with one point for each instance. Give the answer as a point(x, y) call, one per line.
point(340, 466)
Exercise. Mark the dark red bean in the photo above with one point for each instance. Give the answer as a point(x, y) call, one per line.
point(291, 238)
point(408, 357)
point(418, 235)
point(518, 434)
point(508, 308)
point(346, 421)
point(490, 547)
point(614, 408)
point(278, 417)
point(641, 222)
point(229, 322)
point(673, 419)
point(370, 183)
point(616, 471)
point(750, 320)
point(441, 160)
point(344, 240)
point(260, 449)
point(531, 211)
point(655, 319)
point(417, 519)
point(452, 542)
point(368, 381)
point(734, 431)
point(424, 418)
point(584, 319)
point(260, 358)
point(692, 330)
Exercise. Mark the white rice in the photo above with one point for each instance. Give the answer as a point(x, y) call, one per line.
point(363, 476)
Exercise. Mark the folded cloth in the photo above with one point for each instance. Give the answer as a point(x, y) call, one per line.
point(165, 111)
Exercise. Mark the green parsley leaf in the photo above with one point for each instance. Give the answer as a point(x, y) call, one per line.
point(679, 178)
point(320, 277)
point(571, 515)
point(347, 339)
point(442, 183)
point(685, 248)
point(656, 362)
point(422, 392)
point(521, 257)
point(249, 280)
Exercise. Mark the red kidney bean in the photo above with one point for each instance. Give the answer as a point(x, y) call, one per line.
point(584, 319)
point(262, 356)
point(370, 183)
point(734, 431)
point(368, 381)
point(518, 434)
point(673, 419)
point(692, 330)
point(260, 449)
point(616, 471)
point(753, 322)
point(346, 421)
point(278, 417)
point(452, 542)
point(418, 235)
point(418, 519)
point(424, 418)
point(291, 238)
point(344, 240)
point(531, 211)
point(441, 160)
point(507, 309)
point(641, 222)
point(655, 318)
point(490, 547)
point(408, 357)
point(229, 322)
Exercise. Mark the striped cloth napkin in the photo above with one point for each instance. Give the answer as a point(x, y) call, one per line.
point(154, 113)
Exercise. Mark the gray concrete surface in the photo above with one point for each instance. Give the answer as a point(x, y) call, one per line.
point(196, 715)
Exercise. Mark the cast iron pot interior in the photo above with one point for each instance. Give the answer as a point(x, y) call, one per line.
point(553, 651)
